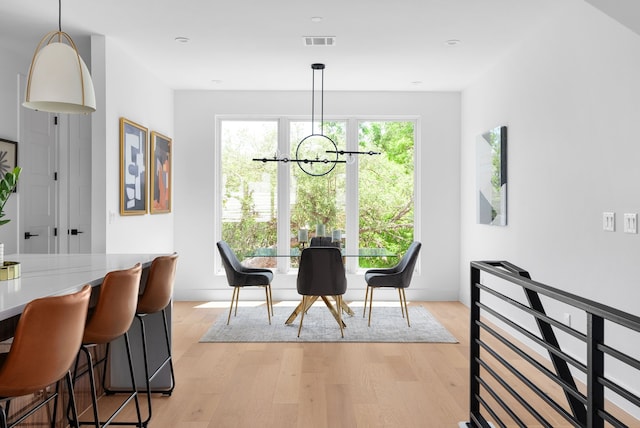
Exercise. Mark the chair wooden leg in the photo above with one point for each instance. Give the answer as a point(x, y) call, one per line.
point(370, 304)
point(235, 312)
point(266, 291)
point(339, 304)
point(236, 291)
point(271, 299)
point(401, 302)
point(304, 306)
point(366, 296)
point(406, 309)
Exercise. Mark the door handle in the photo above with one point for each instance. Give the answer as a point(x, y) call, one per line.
point(28, 235)
point(76, 232)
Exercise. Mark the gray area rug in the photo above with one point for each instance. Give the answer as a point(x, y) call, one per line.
point(387, 325)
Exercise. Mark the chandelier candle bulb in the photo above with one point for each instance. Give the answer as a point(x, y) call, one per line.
point(303, 235)
point(336, 235)
point(319, 229)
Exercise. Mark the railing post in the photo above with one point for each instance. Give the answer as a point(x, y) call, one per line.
point(474, 348)
point(595, 370)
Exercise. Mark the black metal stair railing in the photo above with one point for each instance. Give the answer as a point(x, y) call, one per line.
point(498, 385)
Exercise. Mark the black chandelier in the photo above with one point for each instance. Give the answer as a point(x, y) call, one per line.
point(317, 154)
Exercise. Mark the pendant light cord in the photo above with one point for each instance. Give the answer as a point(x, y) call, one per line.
point(60, 15)
point(322, 102)
point(313, 97)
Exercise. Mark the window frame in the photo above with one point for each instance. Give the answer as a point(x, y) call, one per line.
point(284, 181)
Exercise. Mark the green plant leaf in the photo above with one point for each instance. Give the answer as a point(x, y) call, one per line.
point(7, 184)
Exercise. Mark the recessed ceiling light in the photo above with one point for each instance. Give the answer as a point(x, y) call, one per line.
point(317, 19)
point(452, 42)
point(417, 82)
point(182, 40)
point(216, 81)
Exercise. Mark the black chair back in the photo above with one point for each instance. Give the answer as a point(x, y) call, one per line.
point(321, 272)
point(408, 263)
point(232, 266)
point(323, 241)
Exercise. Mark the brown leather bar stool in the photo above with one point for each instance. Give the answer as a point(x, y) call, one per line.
point(155, 298)
point(111, 319)
point(45, 344)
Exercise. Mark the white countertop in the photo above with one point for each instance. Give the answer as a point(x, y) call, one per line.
point(55, 274)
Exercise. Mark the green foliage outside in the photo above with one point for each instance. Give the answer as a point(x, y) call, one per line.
point(247, 229)
point(386, 189)
point(386, 184)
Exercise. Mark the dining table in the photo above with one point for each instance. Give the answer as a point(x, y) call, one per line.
point(295, 252)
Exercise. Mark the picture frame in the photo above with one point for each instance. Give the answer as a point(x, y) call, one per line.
point(133, 168)
point(8, 156)
point(160, 173)
point(491, 177)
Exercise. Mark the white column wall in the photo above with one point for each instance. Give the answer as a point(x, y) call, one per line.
point(12, 65)
point(125, 88)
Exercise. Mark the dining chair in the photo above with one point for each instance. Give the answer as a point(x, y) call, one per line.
point(321, 274)
point(323, 241)
point(239, 276)
point(398, 277)
point(110, 320)
point(45, 345)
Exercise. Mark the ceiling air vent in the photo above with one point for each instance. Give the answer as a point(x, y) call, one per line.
point(319, 40)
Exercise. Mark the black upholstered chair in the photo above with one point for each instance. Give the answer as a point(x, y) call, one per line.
point(239, 276)
point(321, 273)
point(323, 241)
point(398, 277)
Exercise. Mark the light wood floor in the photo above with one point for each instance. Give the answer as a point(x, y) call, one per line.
point(321, 385)
point(313, 384)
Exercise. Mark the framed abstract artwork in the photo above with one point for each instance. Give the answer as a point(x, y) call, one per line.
point(8, 156)
point(491, 176)
point(133, 168)
point(160, 172)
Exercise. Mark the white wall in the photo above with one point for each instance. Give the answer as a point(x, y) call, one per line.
point(125, 88)
point(569, 96)
point(195, 229)
point(12, 65)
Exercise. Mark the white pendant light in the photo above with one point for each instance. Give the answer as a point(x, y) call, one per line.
point(59, 80)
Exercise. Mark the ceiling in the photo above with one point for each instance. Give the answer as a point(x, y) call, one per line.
point(387, 45)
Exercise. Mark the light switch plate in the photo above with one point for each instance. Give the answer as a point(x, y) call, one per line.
point(630, 223)
point(609, 221)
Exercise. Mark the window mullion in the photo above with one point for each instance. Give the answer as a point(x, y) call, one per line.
point(284, 209)
point(352, 226)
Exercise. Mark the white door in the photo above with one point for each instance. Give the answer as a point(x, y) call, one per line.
point(37, 185)
point(55, 184)
point(78, 231)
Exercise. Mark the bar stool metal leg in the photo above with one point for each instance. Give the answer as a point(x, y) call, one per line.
point(168, 360)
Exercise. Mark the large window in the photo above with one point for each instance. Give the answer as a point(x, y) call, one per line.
point(385, 186)
point(316, 200)
point(249, 189)
point(372, 195)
